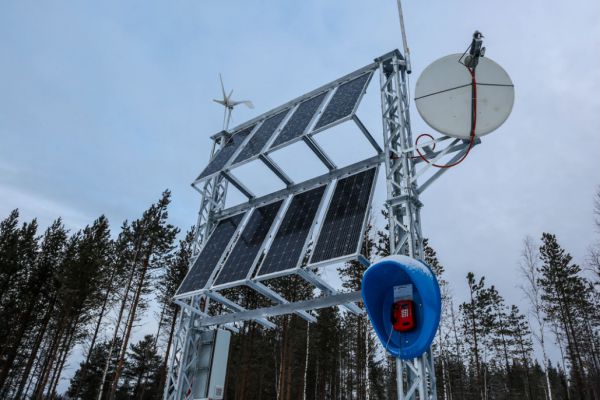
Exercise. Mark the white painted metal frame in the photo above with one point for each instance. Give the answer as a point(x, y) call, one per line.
point(414, 376)
point(212, 199)
point(306, 136)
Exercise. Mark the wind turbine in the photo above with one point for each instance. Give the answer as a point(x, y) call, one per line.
point(229, 104)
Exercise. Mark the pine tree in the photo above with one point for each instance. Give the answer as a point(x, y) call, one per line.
point(153, 237)
point(87, 253)
point(361, 343)
point(86, 381)
point(18, 294)
point(563, 297)
point(529, 267)
point(142, 369)
point(521, 346)
point(175, 272)
point(445, 382)
point(9, 260)
point(323, 379)
point(477, 323)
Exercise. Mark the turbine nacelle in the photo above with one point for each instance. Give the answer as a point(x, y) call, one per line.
point(229, 104)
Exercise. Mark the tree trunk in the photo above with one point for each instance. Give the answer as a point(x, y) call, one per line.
point(12, 351)
point(571, 344)
point(34, 350)
point(48, 363)
point(306, 359)
point(283, 358)
point(95, 335)
point(129, 326)
point(119, 318)
point(61, 364)
point(165, 370)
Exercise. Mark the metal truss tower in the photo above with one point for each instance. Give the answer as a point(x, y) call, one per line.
point(416, 378)
point(188, 337)
point(213, 195)
point(403, 206)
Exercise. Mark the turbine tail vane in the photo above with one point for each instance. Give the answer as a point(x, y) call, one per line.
point(229, 104)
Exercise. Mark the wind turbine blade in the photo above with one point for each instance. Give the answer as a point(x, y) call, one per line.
point(222, 87)
point(230, 93)
point(219, 101)
point(248, 103)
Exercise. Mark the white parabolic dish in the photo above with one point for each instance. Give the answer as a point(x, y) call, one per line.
point(443, 96)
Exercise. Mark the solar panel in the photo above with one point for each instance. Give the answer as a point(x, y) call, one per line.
point(245, 250)
point(258, 141)
point(208, 258)
point(298, 122)
point(344, 100)
point(342, 228)
point(286, 249)
point(221, 158)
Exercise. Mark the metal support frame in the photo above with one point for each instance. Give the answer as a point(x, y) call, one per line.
point(416, 378)
point(213, 194)
point(183, 359)
point(282, 309)
point(403, 203)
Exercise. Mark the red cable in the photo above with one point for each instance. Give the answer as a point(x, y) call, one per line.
point(473, 127)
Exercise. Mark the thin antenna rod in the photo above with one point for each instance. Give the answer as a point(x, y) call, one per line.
point(404, 41)
point(228, 111)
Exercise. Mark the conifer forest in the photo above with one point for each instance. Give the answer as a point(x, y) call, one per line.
point(80, 301)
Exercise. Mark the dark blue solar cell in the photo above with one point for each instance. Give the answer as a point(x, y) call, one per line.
point(244, 252)
point(258, 141)
point(342, 228)
point(343, 101)
point(220, 159)
point(208, 258)
point(298, 122)
point(286, 249)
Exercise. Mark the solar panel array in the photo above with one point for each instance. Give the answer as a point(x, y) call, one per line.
point(286, 248)
point(228, 258)
point(340, 234)
point(246, 249)
point(342, 104)
point(344, 101)
point(298, 122)
point(211, 253)
point(222, 157)
point(342, 229)
point(258, 141)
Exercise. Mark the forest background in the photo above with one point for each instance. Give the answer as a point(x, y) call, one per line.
point(60, 290)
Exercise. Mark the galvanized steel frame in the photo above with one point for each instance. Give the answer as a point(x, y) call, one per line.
point(415, 378)
point(402, 203)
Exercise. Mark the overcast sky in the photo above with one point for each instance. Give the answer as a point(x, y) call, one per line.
point(105, 104)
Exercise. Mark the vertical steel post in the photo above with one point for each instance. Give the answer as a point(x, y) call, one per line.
point(185, 343)
point(403, 205)
point(212, 199)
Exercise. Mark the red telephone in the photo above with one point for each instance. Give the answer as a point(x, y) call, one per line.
point(403, 315)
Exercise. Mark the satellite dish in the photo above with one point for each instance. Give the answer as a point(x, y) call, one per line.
point(443, 96)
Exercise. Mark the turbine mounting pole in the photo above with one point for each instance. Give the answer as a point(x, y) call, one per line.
point(404, 41)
